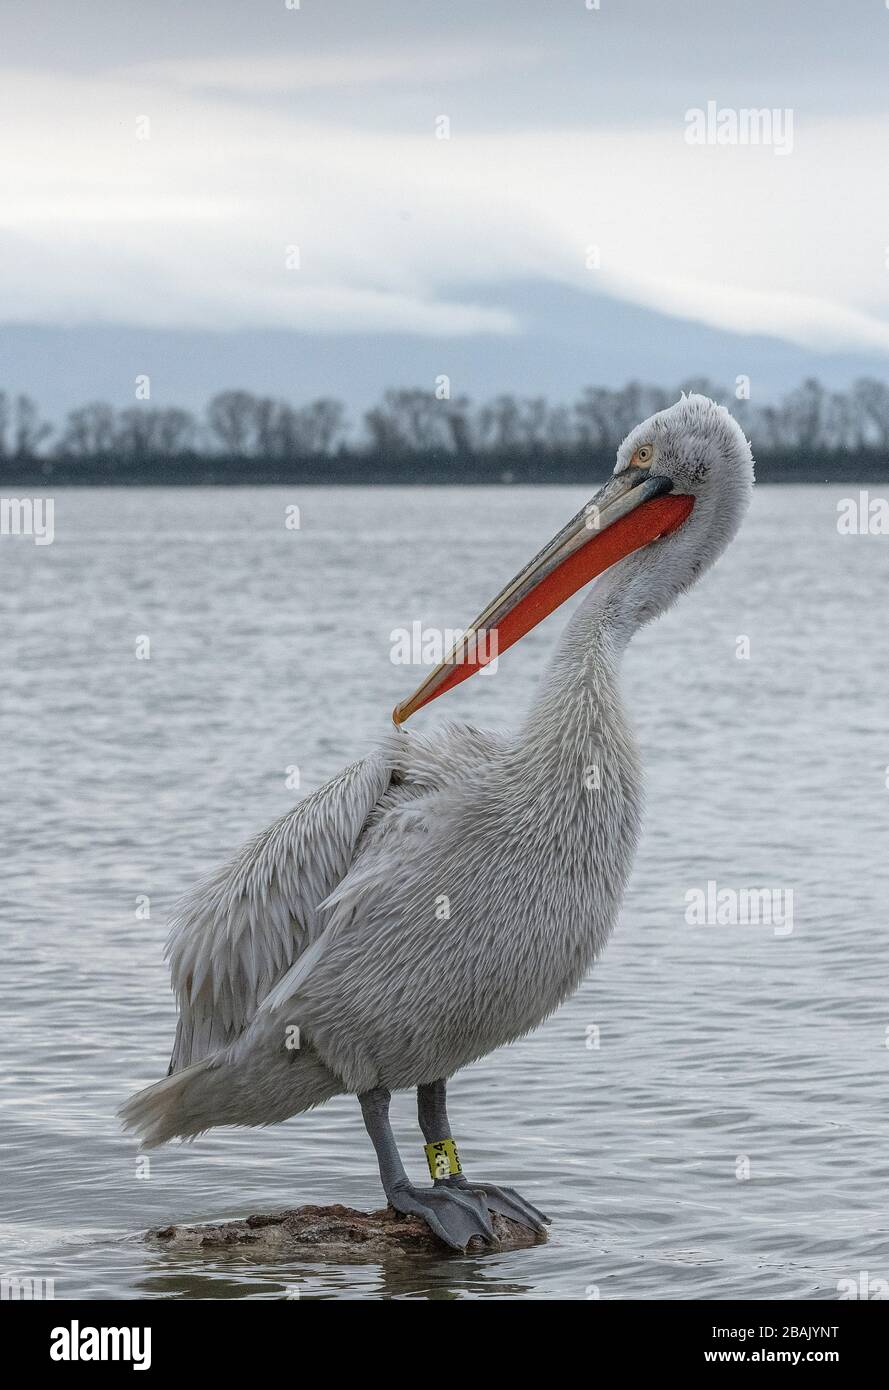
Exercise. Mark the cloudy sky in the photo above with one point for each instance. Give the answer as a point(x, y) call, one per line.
point(316, 127)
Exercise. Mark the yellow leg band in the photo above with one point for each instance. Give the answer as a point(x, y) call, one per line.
point(442, 1158)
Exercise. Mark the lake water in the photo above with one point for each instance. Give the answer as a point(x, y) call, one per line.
point(706, 1118)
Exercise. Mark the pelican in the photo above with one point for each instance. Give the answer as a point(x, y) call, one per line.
point(320, 961)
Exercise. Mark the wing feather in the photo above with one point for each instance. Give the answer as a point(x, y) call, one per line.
point(236, 935)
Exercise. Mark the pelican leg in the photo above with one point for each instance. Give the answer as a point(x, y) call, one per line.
point(454, 1216)
point(433, 1116)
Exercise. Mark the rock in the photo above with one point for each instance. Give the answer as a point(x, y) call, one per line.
point(337, 1233)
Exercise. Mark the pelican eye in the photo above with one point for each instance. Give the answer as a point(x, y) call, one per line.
point(643, 455)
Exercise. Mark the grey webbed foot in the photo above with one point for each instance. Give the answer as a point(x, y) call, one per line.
point(504, 1200)
point(454, 1216)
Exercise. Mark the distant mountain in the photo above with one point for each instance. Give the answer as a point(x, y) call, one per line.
point(568, 340)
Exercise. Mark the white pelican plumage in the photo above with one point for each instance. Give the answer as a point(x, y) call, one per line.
point(327, 921)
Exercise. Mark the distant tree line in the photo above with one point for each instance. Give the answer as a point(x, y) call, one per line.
point(413, 433)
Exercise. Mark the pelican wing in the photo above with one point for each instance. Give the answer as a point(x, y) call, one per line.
point(243, 929)
point(420, 770)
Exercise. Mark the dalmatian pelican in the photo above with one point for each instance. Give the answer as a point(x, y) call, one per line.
point(316, 963)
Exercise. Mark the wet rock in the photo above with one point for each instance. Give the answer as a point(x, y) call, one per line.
point(339, 1233)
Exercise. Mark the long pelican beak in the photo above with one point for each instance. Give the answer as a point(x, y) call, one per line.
point(630, 511)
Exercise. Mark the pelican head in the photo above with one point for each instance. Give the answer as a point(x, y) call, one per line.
point(678, 493)
point(696, 451)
